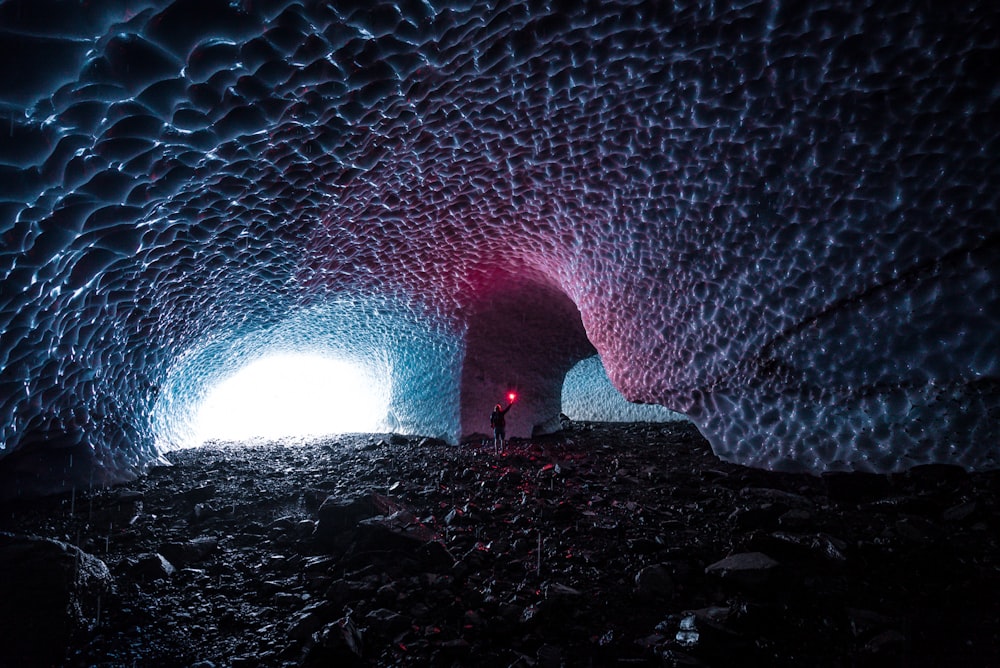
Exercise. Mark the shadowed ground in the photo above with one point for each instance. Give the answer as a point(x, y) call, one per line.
point(599, 545)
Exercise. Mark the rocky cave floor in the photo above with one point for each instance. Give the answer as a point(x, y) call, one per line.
point(602, 545)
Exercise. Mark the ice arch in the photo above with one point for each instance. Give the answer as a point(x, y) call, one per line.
point(408, 365)
point(777, 218)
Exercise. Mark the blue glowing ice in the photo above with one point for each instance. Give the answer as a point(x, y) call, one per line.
point(778, 218)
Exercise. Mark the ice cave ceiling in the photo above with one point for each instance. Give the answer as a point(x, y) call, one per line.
point(777, 217)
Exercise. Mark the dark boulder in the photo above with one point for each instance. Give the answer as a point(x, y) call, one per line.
point(50, 593)
point(751, 569)
point(338, 514)
point(189, 552)
point(336, 644)
point(150, 566)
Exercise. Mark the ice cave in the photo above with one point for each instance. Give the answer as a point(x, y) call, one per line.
point(737, 260)
point(777, 218)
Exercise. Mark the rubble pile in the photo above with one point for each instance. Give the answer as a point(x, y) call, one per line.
point(602, 545)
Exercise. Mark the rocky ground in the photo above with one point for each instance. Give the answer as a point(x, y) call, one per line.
point(603, 545)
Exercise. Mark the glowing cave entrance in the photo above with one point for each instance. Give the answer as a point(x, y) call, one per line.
point(292, 395)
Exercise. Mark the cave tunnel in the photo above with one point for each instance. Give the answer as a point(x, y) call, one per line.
point(788, 236)
point(778, 219)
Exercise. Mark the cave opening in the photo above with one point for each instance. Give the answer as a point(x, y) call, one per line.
point(292, 395)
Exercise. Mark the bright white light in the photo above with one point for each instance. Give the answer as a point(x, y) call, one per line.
point(292, 395)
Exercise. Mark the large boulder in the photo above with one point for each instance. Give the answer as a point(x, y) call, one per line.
point(50, 592)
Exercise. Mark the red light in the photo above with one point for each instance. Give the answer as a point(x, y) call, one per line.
point(512, 396)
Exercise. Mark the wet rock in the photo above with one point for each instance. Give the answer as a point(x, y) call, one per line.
point(203, 511)
point(916, 530)
point(189, 552)
point(336, 644)
point(654, 582)
point(399, 531)
point(818, 546)
point(705, 634)
point(436, 557)
point(121, 509)
point(307, 621)
point(549, 656)
point(131, 497)
point(864, 623)
point(338, 514)
point(643, 546)
point(560, 592)
point(923, 504)
point(533, 613)
point(50, 592)
point(777, 497)
point(886, 645)
point(794, 519)
point(386, 623)
point(960, 512)
point(150, 566)
point(748, 568)
point(342, 591)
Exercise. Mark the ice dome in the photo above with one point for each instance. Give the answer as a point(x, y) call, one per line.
point(777, 218)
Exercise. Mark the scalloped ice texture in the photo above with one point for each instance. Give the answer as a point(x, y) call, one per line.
point(587, 394)
point(779, 220)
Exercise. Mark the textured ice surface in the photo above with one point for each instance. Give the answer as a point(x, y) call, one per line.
point(587, 394)
point(779, 218)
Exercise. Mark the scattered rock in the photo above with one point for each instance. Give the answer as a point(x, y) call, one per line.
point(529, 560)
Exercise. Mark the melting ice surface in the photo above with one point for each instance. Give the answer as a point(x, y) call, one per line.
point(292, 395)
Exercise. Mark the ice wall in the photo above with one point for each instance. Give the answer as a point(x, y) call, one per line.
point(777, 218)
point(588, 395)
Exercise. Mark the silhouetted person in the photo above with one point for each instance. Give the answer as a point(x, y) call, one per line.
point(498, 422)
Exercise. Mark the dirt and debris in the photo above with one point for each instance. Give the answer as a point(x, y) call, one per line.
point(602, 545)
